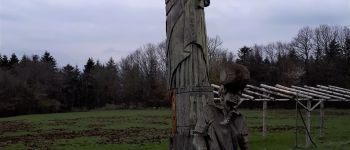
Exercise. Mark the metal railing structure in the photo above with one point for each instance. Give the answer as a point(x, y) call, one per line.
point(319, 94)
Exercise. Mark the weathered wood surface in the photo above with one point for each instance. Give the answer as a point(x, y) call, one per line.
point(187, 50)
point(187, 56)
point(189, 104)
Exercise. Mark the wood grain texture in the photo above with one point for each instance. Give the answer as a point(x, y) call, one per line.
point(188, 73)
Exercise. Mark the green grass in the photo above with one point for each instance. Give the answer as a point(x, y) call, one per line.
point(149, 130)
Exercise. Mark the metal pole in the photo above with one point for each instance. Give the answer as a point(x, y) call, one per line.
point(296, 123)
point(264, 129)
point(308, 124)
point(322, 119)
point(335, 87)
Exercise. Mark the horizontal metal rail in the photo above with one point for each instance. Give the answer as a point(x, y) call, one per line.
point(307, 93)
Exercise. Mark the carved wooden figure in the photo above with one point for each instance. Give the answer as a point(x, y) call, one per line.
point(187, 55)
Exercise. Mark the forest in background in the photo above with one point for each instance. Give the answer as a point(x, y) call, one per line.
point(35, 84)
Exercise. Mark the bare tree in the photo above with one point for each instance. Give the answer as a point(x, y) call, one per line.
point(324, 35)
point(281, 49)
point(162, 59)
point(218, 56)
point(303, 44)
point(270, 52)
point(343, 38)
point(318, 46)
point(214, 46)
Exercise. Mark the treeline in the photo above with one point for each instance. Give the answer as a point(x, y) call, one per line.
point(34, 84)
point(314, 56)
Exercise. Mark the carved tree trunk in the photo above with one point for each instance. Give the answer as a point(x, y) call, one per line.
point(187, 55)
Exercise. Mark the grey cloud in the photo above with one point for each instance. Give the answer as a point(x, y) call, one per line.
point(78, 29)
point(245, 22)
point(110, 50)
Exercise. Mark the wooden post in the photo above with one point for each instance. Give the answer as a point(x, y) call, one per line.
point(296, 122)
point(322, 119)
point(187, 67)
point(308, 124)
point(264, 129)
point(188, 104)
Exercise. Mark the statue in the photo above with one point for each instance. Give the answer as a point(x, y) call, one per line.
point(187, 43)
point(221, 126)
point(187, 64)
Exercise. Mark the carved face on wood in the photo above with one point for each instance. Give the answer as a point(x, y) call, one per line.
point(230, 98)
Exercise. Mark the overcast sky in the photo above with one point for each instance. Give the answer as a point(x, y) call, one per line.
point(73, 30)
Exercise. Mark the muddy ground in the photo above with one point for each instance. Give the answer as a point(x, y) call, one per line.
point(35, 138)
point(43, 139)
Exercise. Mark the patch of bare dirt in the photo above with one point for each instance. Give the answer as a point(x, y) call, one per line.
point(62, 122)
point(14, 126)
point(129, 136)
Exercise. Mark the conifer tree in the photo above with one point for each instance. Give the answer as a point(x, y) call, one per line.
point(13, 60)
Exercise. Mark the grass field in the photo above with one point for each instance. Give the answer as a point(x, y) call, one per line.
point(149, 130)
